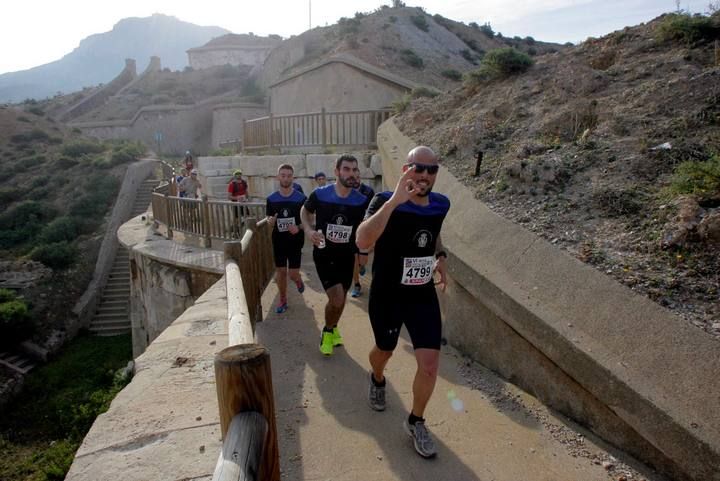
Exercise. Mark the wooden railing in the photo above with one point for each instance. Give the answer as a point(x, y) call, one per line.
point(242, 371)
point(314, 129)
point(216, 219)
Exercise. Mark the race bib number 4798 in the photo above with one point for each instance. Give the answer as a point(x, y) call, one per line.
point(417, 270)
point(339, 234)
point(284, 223)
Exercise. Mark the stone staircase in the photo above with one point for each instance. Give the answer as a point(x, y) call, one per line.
point(17, 362)
point(113, 315)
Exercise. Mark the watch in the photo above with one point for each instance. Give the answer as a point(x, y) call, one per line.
point(440, 253)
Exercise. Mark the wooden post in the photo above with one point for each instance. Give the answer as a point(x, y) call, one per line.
point(166, 214)
point(242, 450)
point(270, 130)
point(205, 222)
point(243, 379)
point(323, 129)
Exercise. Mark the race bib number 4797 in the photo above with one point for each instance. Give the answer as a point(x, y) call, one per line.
point(339, 234)
point(417, 270)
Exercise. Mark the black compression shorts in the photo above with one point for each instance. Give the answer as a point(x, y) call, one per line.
point(335, 268)
point(288, 254)
point(418, 310)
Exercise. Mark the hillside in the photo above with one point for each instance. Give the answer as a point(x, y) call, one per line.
point(99, 58)
point(406, 41)
point(608, 150)
point(58, 188)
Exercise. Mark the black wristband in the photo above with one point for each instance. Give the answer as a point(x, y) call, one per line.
point(440, 253)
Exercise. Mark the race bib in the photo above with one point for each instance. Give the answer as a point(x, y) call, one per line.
point(417, 270)
point(284, 223)
point(339, 234)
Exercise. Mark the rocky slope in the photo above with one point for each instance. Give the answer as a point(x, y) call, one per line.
point(583, 149)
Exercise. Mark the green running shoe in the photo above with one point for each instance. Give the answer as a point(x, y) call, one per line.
point(326, 343)
point(337, 339)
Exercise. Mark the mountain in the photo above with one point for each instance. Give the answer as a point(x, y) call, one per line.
point(100, 57)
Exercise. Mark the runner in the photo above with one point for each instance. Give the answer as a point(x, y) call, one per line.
point(404, 226)
point(338, 209)
point(283, 211)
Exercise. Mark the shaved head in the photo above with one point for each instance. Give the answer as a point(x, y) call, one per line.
point(422, 155)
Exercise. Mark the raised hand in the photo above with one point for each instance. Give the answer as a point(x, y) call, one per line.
point(405, 187)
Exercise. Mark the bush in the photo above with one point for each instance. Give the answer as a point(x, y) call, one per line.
point(420, 22)
point(348, 26)
point(500, 63)
point(467, 55)
point(451, 74)
point(32, 136)
point(697, 177)
point(687, 28)
point(411, 58)
point(37, 111)
point(21, 223)
point(487, 30)
point(419, 92)
point(7, 295)
point(61, 229)
point(82, 147)
point(65, 162)
point(14, 320)
point(56, 255)
point(401, 104)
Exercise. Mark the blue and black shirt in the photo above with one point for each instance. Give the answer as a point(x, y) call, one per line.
point(337, 217)
point(287, 210)
point(405, 251)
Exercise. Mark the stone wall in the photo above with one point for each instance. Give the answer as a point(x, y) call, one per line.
point(260, 171)
point(589, 347)
point(227, 122)
point(201, 58)
point(343, 88)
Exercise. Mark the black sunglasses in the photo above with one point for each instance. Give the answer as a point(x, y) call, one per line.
point(431, 169)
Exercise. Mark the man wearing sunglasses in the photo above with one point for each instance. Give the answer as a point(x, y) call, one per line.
point(404, 227)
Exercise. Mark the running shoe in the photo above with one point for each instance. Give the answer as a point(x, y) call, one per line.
point(282, 307)
point(376, 395)
point(356, 290)
point(326, 343)
point(300, 286)
point(424, 445)
point(337, 339)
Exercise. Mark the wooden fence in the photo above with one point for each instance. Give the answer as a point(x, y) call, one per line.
point(242, 371)
point(216, 219)
point(314, 129)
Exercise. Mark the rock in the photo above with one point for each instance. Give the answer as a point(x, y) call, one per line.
point(608, 465)
point(709, 228)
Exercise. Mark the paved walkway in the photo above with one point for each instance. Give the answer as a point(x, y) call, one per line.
point(328, 432)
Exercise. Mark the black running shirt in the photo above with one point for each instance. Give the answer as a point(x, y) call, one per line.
point(287, 210)
point(337, 217)
point(405, 251)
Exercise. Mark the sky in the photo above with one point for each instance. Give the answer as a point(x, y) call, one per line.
point(36, 32)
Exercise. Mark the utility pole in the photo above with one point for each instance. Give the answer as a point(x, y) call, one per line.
point(309, 14)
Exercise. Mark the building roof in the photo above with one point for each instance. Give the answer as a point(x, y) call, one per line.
point(233, 41)
point(357, 64)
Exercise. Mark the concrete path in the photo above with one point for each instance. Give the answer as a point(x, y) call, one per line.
point(485, 430)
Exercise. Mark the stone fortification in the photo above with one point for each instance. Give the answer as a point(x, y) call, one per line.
point(583, 343)
point(227, 121)
point(233, 49)
point(98, 98)
point(260, 171)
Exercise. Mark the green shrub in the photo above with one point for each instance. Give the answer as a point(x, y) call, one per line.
point(7, 295)
point(32, 136)
point(411, 58)
point(452, 74)
point(348, 26)
point(487, 30)
point(65, 162)
point(79, 148)
point(392, 18)
point(22, 222)
point(420, 22)
point(61, 229)
point(687, 28)
point(467, 55)
point(56, 255)
point(401, 104)
point(14, 322)
point(500, 63)
point(121, 156)
point(37, 111)
point(22, 118)
point(694, 177)
point(419, 92)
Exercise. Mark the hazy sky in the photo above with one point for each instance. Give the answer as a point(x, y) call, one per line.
point(35, 32)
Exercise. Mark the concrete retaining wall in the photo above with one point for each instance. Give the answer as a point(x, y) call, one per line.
point(227, 122)
point(614, 361)
point(260, 171)
point(87, 304)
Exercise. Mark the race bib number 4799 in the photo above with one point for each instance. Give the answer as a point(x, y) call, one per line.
point(417, 270)
point(339, 234)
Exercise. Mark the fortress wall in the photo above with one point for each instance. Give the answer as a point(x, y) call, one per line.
point(97, 99)
point(227, 123)
point(202, 59)
point(344, 88)
point(612, 360)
